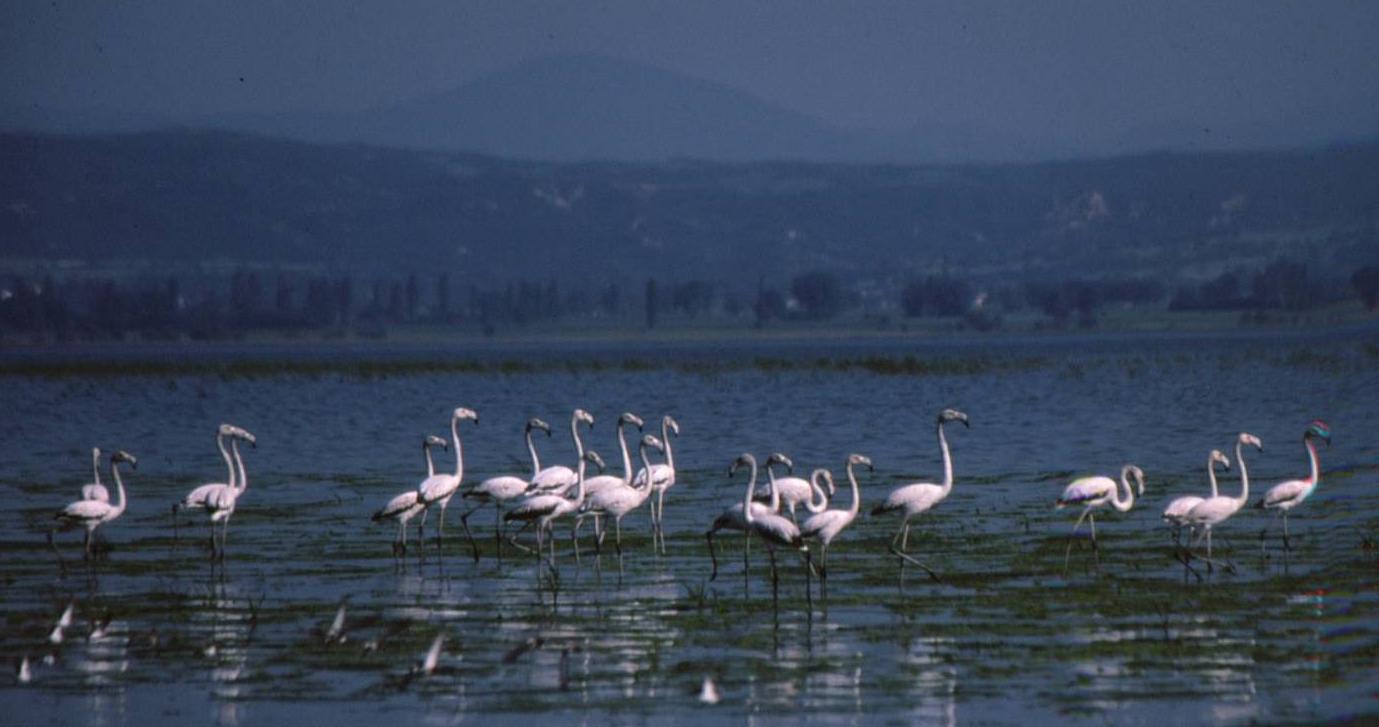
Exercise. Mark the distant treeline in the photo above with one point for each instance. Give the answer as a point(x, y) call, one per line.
point(203, 307)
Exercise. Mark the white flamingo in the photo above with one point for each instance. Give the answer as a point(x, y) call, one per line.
point(828, 524)
point(544, 509)
point(1094, 492)
point(95, 490)
point(440, 487)
point(796, 490)
point(405, 506)
point(91, 514)
point(220, 503)
point(921, 497)
point(617, 502)
point(1215, 510)
point(734, 518)
point(200, 497)
point(774, 530)
point(1177, 510)
point(560, 477)
point(506, 488)
point(1287, 495)
point(595, 485)
point(661, 475)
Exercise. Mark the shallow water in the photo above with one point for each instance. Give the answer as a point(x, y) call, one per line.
point(1006, 636)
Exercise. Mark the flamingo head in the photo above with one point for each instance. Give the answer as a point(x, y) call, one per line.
point(949, 415)
point(1252, 440)
point(594, 457)
point(671, 425)
point(743, 460)
point(582, 416)
point(856, 459)
point(779, 458)
point(226, 430)
point(630, 418)
point(123, 456)
point(535, 423)
point(244, 436)
point(1319, 429)
point(827, 477)
point(462, 412)
point(1138, 474)
point(1219, 457)
point(434, 441)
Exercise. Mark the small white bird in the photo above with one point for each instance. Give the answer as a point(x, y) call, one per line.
point(708, 692)
point(24, 674)
point(1287, 495)
point(1095, 492)
point(56, 635)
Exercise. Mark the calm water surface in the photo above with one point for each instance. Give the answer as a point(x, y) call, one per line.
point(1005, 637)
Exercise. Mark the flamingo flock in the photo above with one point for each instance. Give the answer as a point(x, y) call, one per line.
point(563, 493)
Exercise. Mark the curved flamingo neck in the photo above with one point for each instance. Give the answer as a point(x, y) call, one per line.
point(239, 460)
point(430, 465)
point(1129, 502)
point(225, 453)
point(947, 461)
point(1244, 474)
point(579, 479)
point(579, 444)
point(459, 452)
point(96, 465)
point(856, 492)
point(119, 489)
point(535, 461)
point(646, 464)
point(1211, 470)
point(816, 489)
point(751, 489)
point(665, 442)
point(1313, 460)
point(626, 455)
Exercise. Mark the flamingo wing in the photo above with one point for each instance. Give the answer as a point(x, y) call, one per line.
point(83, 511)
point(1285, 495)
point(398, 505)
point(1086, 490)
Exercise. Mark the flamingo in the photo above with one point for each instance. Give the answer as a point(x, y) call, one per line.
point(828, 524)
point(1287, 495)
point(796, 490)
point(662, 476)
point(544, 509)
point(498, 490)
point(774, 530)
point(1177, 510)
point(1094, 492)
point(439, 488)
point(91, 514)
point(733, 518)
point(405, 506)
point(595, 485)
point(560, 477)
point(220, 502)
point(198, 497)
point(95, 490)
point(616, 502)
point(921, 497)
point(1215, 510)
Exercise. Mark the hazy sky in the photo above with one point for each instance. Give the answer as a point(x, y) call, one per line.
point(1056, 67)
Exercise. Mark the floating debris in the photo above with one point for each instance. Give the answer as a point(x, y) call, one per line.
point(63, 621)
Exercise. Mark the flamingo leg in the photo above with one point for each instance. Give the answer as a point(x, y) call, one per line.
point(617, 536)
point(440, 527)
point(574, 541)
point(1286, 545)
point(1068, 553)
point(775, 579)
point(498, 529)
point(712, 555)
point(464, 522)
point(808, 585)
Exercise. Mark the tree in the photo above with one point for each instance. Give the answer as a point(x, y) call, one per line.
point(1366, 284)
point(819, 294)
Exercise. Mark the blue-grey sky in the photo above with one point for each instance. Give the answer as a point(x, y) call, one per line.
point(1059, 69)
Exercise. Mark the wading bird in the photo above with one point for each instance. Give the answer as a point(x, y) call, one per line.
point(1094, 492)
point(919, 498)
point(662, 475)
point(617, 502)
point(405, 506)
point(197, 499)
point(1215, 510)
point(560, 477)
point(1176, 512)
point(775, 531)
point(506, 488)
point(91, 514)
point(595, 485)
point(734, 518)
point(95, 490)
point(220, 503)
point(544, 509)
point(826, 526)
point(1287, 495)
point(440, 487)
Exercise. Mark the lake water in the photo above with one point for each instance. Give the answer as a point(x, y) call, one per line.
point(1005, 637)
